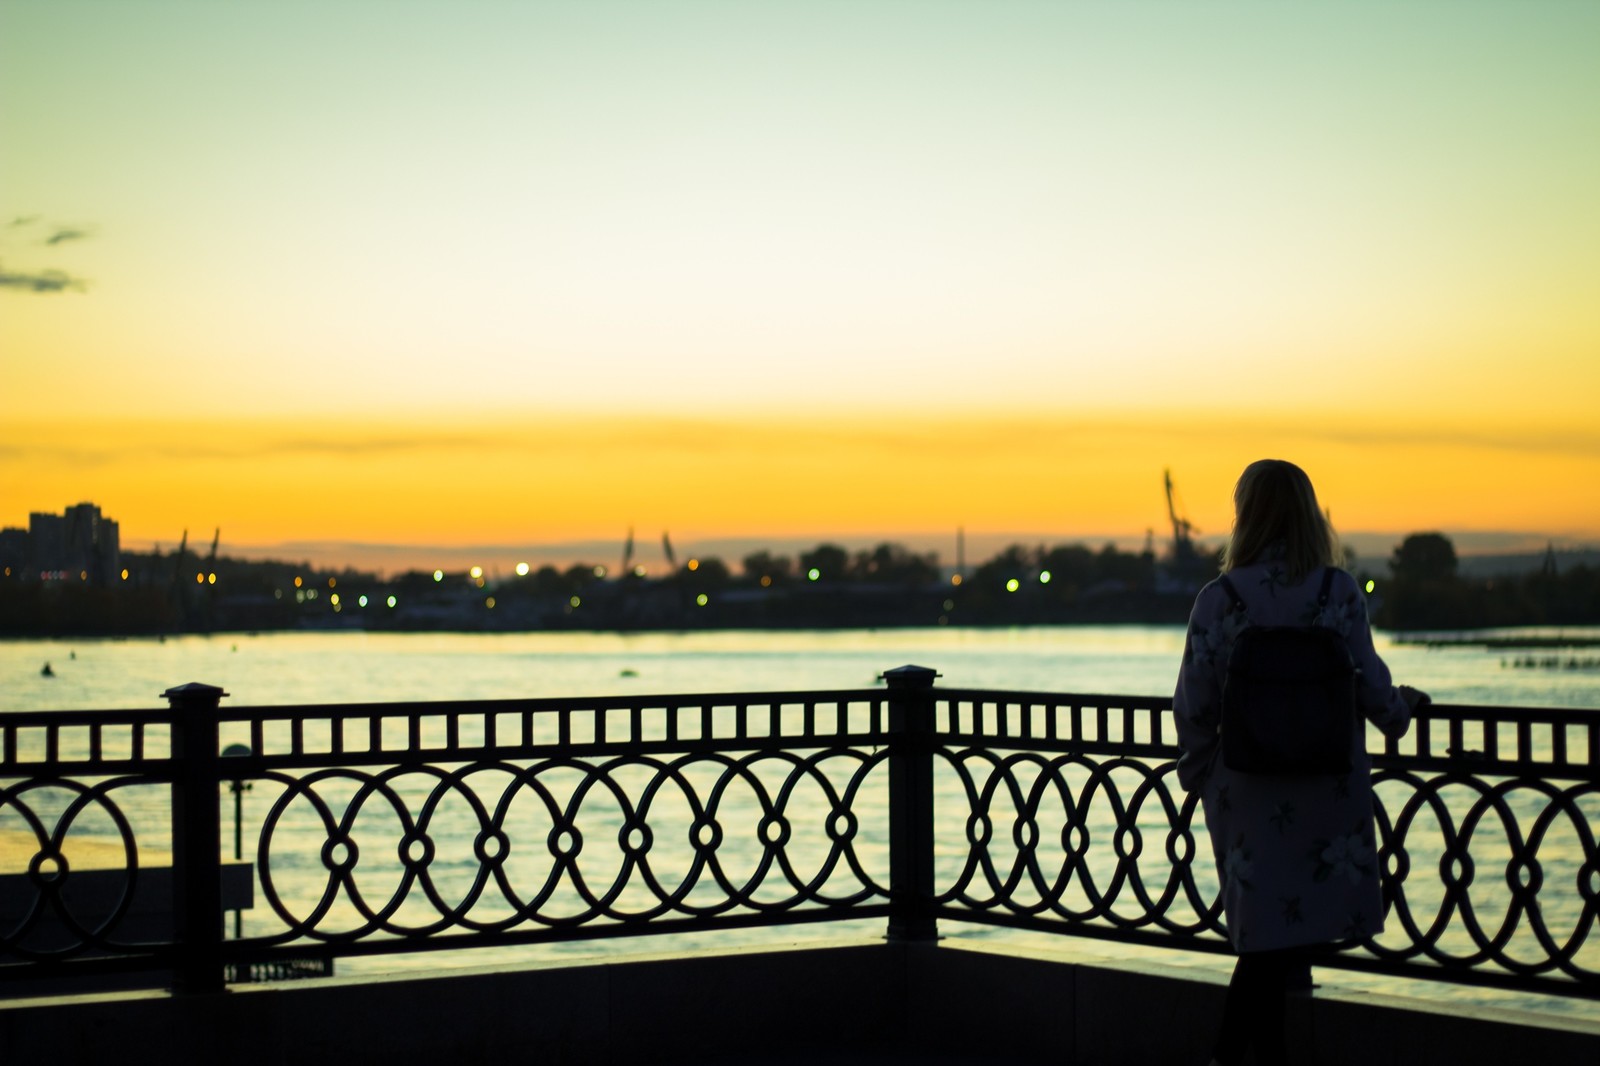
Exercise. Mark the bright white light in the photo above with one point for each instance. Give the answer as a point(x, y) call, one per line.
point(522, 569)
point(1012, 585)
point(438, 575)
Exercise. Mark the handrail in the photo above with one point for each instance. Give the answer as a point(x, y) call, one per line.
point(401, 827)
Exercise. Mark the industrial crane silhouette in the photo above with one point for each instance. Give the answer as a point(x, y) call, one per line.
point(1182, 529)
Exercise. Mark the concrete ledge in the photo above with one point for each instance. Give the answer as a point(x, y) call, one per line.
point(875, 1001)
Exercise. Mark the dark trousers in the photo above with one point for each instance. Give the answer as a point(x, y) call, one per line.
point(1255, 1013)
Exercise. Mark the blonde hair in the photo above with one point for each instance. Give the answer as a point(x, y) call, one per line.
point(1275, 515)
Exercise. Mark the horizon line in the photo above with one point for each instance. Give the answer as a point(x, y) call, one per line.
point(389, 558)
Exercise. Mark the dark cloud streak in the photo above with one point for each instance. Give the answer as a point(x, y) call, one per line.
point(43, 281)
point(61, 236)
point(202, 450)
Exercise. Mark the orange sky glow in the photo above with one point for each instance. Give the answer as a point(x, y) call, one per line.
point(512, 275)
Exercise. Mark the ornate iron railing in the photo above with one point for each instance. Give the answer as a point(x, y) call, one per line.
point(384, 828)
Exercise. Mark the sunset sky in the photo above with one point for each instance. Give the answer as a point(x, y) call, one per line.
point(338, 275)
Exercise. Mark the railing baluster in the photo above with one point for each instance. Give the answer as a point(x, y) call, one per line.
point(911, 803)
point(196, 837)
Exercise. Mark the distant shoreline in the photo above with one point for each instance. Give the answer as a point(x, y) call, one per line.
point(1496, 638)
point(1464, 638)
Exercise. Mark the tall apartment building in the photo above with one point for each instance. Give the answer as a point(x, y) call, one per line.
point(80, 545)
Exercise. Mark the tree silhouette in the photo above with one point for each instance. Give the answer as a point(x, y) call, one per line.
point(831, 562)
point(1424, 591)
point(893, 564)
point(764, 564)
point(1424, 557)
point(709, 572)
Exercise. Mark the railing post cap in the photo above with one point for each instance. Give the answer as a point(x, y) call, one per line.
point(910, 676)
point(193, 690)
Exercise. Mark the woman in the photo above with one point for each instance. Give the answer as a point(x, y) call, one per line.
point(1296, 855)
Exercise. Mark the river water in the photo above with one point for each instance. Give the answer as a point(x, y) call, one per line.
point(340, 667)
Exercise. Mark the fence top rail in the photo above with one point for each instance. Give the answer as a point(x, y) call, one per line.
point(29, 719)
point(552, 704)
point(12, 720)
point(1125, 701)
point(1558, 741)
point(226, 712)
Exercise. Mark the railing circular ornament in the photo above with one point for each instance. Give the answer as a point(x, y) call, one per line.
point(706, 835)
point(48, 868)
point(1074, 838)
point(416, 851)
point(842, 826)
point(340, 854)
point(491, 846)
point(1180, 846)
point(565, 842)
point(979, 829)
point(635, 839)
point(774, 831)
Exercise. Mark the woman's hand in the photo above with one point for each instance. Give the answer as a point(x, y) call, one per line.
point(1414, 698)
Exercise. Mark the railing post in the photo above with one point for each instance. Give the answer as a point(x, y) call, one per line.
point(911, 803)
point(196, 838)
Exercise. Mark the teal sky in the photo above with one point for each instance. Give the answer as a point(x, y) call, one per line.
point(711, 200)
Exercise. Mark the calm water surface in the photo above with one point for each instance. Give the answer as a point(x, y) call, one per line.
point(347, 667)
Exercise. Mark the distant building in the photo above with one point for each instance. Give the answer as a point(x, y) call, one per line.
point(16, 552)
point(81, 545)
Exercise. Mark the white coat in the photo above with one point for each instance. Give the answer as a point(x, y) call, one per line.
point(1297, 856)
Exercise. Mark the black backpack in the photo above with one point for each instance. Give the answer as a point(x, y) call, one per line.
point(1288, 698)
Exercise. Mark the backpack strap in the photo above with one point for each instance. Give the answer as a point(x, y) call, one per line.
point(1327, 588)
point(1233, 593)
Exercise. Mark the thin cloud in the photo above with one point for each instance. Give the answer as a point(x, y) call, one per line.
point(22, 220)
point(43, 281)
point(1578, 443)
point(78, 455)
point(62, 236)
point(370, 446)
point(1565, 440)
